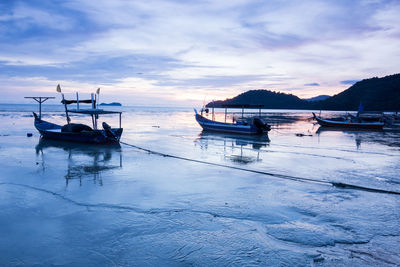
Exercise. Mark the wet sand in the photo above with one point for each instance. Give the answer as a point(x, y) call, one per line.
point(66, 204)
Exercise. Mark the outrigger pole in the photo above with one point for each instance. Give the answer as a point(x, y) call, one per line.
point(40, 100)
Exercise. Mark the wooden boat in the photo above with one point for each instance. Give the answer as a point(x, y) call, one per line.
point(240, 127)
point(74, 132)
point(355, 123)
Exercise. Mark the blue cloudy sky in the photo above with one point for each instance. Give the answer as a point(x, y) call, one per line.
point(180, 52)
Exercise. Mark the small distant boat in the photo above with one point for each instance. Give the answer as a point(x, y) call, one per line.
point(352, 122)
point(76, 132)
point(257, 126)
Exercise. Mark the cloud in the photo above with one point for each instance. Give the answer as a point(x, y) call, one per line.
point(211, 81)
point(95, 69)
point(311, 84)
point(184, 48)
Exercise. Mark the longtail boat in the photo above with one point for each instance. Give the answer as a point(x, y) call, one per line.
point(352, 122)
point(76, 132)
point(255, 127)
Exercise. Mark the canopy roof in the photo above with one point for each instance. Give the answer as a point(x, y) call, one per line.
point(93, 111)
point(242, 106)
point(87, 101)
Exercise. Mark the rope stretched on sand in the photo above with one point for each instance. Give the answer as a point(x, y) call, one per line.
point(277, 175)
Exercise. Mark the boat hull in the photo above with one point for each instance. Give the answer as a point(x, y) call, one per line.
point(209, 125)
point(53, 131)
point(353, 125)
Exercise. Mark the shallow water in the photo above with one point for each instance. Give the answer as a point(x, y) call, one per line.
point(67, 204)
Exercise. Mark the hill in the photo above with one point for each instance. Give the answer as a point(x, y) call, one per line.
point(272, 100)
point(318, 98)
point(375, 94)
point(378, 94)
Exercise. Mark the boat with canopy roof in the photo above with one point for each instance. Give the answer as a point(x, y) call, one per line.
point(351, 122)
point(76, 132)
point(253, 126)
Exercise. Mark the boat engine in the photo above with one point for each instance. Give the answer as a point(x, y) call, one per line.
point(110, 134)
point(262, 127)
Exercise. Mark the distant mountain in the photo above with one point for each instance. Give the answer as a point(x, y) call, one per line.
point(111, 104)
point(376, 94)
point(318, 98)
point(264, 97)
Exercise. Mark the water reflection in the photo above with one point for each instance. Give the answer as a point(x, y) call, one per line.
point(284, 119)
point(388, 136)
point(84, 161)
point(322, 129)
point(239, 149)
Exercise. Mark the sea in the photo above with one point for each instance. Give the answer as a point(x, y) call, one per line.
point(173, 195)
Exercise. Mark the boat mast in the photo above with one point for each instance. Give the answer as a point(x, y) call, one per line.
point(66, 109)
point(64, 102)
point(225, 113)
point(213, 115)
point(96, 101)
point(94, 117)
point(77, 101)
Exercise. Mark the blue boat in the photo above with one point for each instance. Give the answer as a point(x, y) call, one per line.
point(257, 126)
point(352, 122)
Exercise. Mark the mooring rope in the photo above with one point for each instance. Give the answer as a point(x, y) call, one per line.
point(277, 175)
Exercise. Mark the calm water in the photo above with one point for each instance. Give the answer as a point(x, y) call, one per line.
point(66, 204)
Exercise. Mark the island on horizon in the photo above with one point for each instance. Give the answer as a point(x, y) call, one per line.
point(110, 104)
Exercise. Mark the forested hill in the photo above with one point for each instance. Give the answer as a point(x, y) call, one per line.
point(267, 98)
point(374, 93)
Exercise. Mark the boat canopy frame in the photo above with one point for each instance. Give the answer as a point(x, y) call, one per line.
point(94, 112)
point(241, 106)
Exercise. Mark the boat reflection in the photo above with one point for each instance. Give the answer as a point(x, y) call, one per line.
point(241, 149)
point(322, 129)
point(362, 135)
point(84, 161)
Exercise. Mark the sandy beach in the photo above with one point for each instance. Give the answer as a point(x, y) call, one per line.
point(70, 204)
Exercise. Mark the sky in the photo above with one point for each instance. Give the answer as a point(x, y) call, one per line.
point(182, 53)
